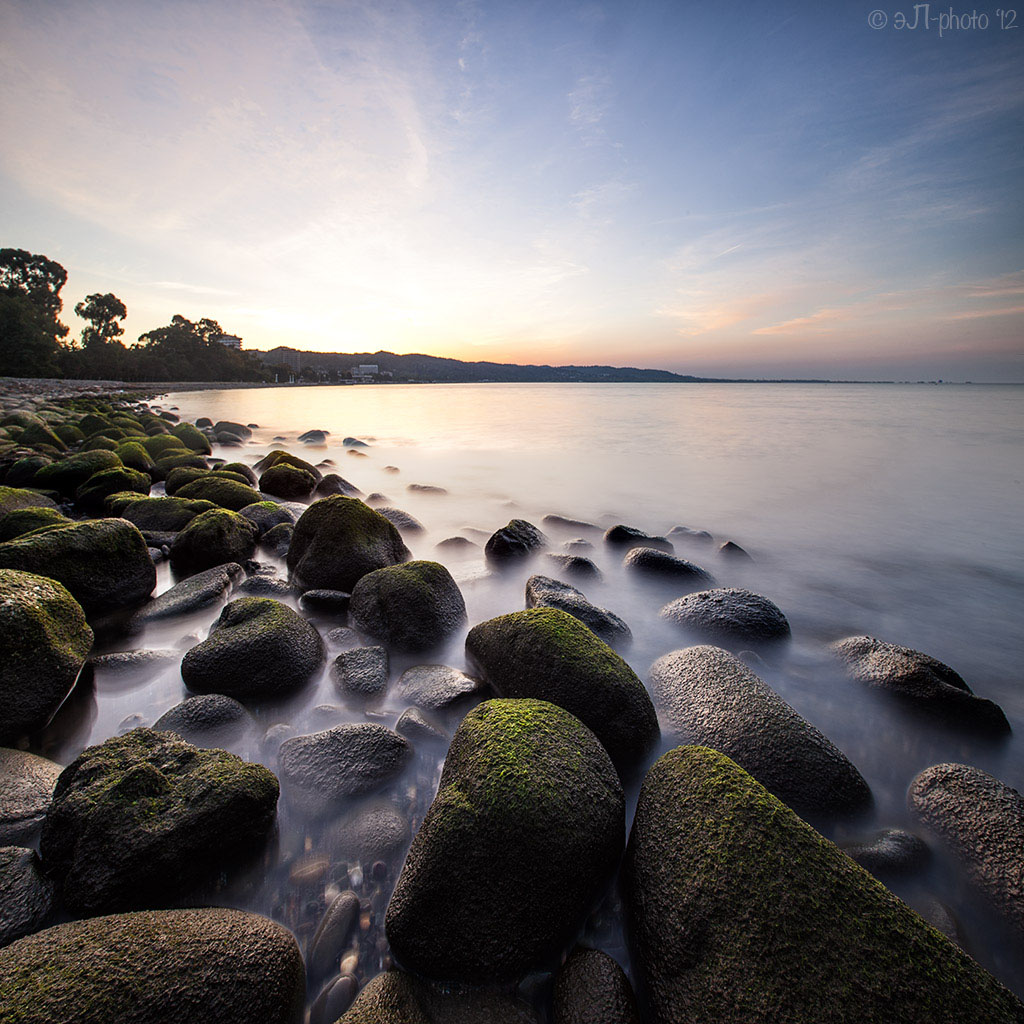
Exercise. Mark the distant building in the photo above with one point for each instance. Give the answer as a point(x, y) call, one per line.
point(365, 371)
point(229, 340)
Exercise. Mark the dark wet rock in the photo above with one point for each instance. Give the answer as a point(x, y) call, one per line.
point(738, 908)
point(436, 687)
point(377, 499)
point(622, 538)
point(191, 595)
point(258, 647)
point(27, 896)
point(920, 681)
point(332, 935)
point(456, 546)
point(177, 460)
point(545, 592)
point(193, 439)
point(286, 481)
point(391, 469)
point(211, 539)
point(67, 475)
point(893, 851)
point(44, 640)
point(530, 808)
point(240, 469)
point(334, 484)
point(398, 998)
point(277, 541)
point(162, 445)
point(981, 820)
point(209, 720)
point(267, 514)
point(570, 525)
point(338, 764)
point(120, 480)
point(362, 672)
point(731, 617)
point(283, 458)
point(354, 442)
point(344, 639)
point(426, 489)
point(401, 520)
point(657, 565)
point(686, 535)
point(708, 696)
point(265, 585)
point(204, 423)
point(415, 606)
point(314, 436)
point(133, 455)
point(24, 520)
point(578, 545)
point(591, 988)
point(734, 552)
point(159, 514)
point(550, 655)
point(221, 491)
point(334, 999)
point(576, 566)
point(26, 788)
point(419, 726)
point(331, 604)
point(132, 666)
point(338, 540)
point(156, 967)
point(374, 832)
point(517, 540)
point(104, 563)
point(238, 429)
point(142, 818)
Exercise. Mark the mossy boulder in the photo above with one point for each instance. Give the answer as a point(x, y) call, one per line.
point(338, 540)
point(176, 460)
point(213, 538)
point(193, 439)
point(99, 443)
point(71, 435)
point(142, 819)
point(211, 964)
point(739, 911)
point(133, 455)
point(160, 514)
point(268, 514)
point(25, 520)
point(39, 434)
point(278, 539)
point(519, 539)
point(90, 496)
point(282, 458)
point(591, 988)
point(23, 472)
point(160, 445)
point(221, 491)
point(523, 835)
point(709, 697)
point(415, 606)
point(104, 563)
point(69, 474)
point(730, 617)
point(12, 498)
point(91, 422)
point(286, 481)
point(258, 647)
point(239, 469)
point(45, 641)
point(177, 478)
point(548, 654)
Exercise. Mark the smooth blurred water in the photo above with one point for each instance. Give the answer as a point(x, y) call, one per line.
point(881, 509)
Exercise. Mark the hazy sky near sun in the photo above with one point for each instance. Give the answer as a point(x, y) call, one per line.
point(743, 189)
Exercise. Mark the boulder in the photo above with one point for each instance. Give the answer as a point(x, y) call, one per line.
point(545, 592)
point(27, 896)
point(591, 988)
point(420, 726)
point(519, 539)
point(91, 495)
point(211, 539)
point(362, 672)
point(733, 552)
point(731, 617)
point(981, 820)
point(334, 484)
point(687, 535)
point(193, 439)
point(526, 829)
point(12, 498)
point(212, 965)
point(104, 563)
point(283, 458)
point(555, 522)
point(411, 607)
point(45, 641)
point(239, 469)
point(230, 427)
point(221, 491)
point(547, 654)
point(267, 514)
point(191, 595)
point(622, 538)
point(920, 681)
point(286, 481)
point(338, 540)
point(277, 541)
point(209, 720)
point(159, 514)
point(436, 687)
point(26, 789)
point(402, 521)
point(708, 696)
point(143, 818)
point(177, 460)
point(372, 832)
point(258, 647)
point(314, 436)
point(739, 911)
point(25, 520)
point(335, 765)
point(653, 564)
point(69, 474)
point(577, 566)
point(330, 604)
point(893, 851)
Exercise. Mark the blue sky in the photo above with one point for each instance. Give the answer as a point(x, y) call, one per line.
point(726, 189)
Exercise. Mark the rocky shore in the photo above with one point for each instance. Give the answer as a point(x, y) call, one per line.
point(462, 846)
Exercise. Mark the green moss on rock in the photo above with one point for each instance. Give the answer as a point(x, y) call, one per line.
point(221, 491)
point(160, 514)
point(175, 460)
point(25, 520)
point(69, 474)
point(12, 498)
point(132, 454)
point(91, 495)
point(213, 538)
point(193, 439)
point(285, 481)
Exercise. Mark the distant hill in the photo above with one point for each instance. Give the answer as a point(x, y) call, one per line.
point(437, 369)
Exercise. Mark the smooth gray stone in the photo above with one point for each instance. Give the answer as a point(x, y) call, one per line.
point(731, 617)
point(190, 595)
point(27, 896)
point(362, 672)
point(545, 592)
point(436, 687)
point(332, 935)
point(26, 789)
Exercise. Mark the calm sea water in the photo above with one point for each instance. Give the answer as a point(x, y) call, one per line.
point(880, 509)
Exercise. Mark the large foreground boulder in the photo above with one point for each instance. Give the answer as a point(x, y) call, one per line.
point(982, 821)
point(412, 607)
point(740, 911)
point(523, 835)
point(547, 654)
point(155, 967)
point(920, 681)
point(708, 696)
point(731, 617)
point(104, 563)
point(258, 647)
point(45, 640)
point(338, 540)
point(27, 896)
point(591, 988)
point(141, 819)
point(26, 789)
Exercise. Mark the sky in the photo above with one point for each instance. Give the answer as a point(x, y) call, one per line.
point(723, 189)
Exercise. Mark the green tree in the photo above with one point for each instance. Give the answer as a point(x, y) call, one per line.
point(102, 312)
point(30, 334)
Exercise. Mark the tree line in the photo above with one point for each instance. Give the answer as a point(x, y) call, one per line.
point(34, 343)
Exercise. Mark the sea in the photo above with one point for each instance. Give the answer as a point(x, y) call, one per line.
point(881, 509)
